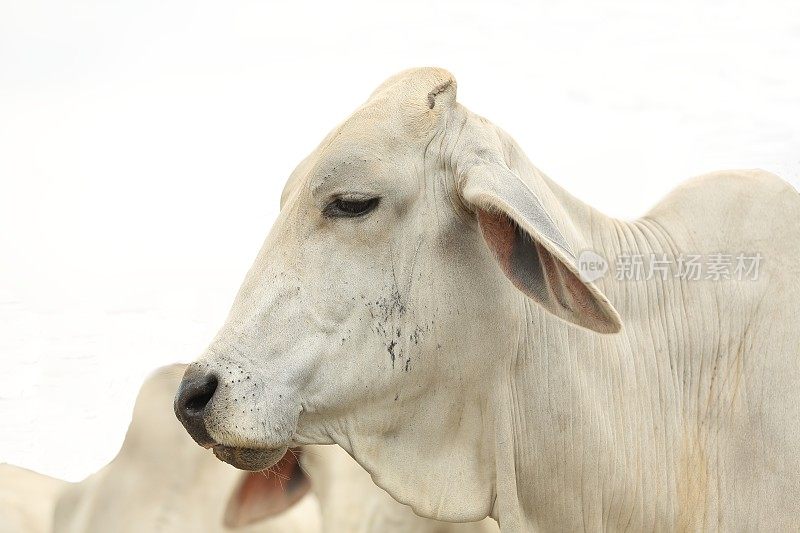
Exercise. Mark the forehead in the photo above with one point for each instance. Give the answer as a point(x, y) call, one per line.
point(382, 138)
point(375, 140)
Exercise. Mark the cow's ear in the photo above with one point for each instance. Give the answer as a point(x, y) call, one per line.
point(530, 248)
point(262, 495)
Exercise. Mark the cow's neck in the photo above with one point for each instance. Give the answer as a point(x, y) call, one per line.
point(583, 420)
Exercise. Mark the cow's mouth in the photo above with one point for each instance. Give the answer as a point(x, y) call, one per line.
point(253, 459)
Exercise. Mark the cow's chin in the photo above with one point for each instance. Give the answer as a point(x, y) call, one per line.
point(253, 459)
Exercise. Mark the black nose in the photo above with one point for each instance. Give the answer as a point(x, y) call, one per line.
point(194, 395)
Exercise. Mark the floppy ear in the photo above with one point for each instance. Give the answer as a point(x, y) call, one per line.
point(531, 250)
point(261, 495)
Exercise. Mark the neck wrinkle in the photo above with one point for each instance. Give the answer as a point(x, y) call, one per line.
point(599, 370)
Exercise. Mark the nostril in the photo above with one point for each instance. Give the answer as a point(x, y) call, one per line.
point(191, 401)
point(198, 400)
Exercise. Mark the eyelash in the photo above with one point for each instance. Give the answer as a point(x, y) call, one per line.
point(343, 208)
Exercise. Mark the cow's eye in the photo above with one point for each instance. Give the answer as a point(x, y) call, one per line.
point(350, 208)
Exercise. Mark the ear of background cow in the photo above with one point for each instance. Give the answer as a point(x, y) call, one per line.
point(261, 495)
point(531, 250)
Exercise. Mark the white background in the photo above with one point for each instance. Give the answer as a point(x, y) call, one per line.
point(144, 144)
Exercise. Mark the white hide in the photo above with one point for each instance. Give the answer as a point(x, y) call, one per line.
point(26, 500)
point(350, 501)
point(446, 340)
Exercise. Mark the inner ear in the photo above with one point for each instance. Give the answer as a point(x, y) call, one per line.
point(264, 494)
point(543, 276)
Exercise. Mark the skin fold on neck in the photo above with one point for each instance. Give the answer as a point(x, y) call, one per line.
point(587, 424)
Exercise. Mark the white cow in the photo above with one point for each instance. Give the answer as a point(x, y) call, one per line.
point(419, 303)
point(26, 500)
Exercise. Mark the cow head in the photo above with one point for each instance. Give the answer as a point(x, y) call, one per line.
point(385, 297)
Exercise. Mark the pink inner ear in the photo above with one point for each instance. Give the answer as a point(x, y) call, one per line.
point(264, 494)
point(586, 303)
point(498, 231)
point(542, 276)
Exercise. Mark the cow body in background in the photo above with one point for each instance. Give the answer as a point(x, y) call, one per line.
point(26, 500)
